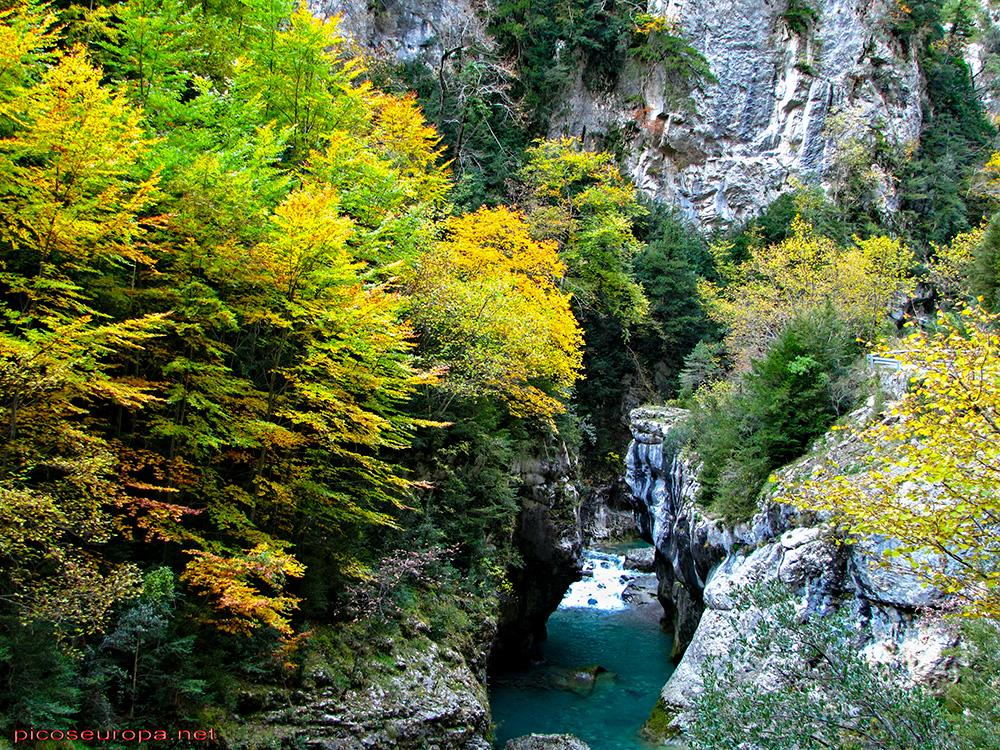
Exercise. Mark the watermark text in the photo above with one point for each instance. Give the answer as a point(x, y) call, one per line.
point(125, 735)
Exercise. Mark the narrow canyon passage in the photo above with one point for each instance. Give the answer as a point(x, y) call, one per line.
point(599, 672)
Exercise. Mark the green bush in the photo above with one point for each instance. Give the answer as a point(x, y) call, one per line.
point(955, 139)
point(985, 274)
point(799, 16)
point(789, 398)
point(668, 267)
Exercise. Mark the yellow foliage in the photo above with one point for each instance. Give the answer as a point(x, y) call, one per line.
point(932, 478)
point(487, 302)
point(66, 197)
point(235, 586)
point(783, 280)
point(986, 181)
point(950, 265)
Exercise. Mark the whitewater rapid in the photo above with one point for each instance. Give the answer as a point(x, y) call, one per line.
point(604, 580)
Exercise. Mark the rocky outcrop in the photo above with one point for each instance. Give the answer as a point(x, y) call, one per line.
point(606, 515)
point(407, 30)
point(549, 540)
point(642, 559)
point(421, 696)
point(723, 152)
point(546, 742)
point(702, 562)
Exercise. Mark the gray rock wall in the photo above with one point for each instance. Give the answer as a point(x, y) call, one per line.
point(406, 30)
point(724, 153)
point(700, 562)
point(549, 539)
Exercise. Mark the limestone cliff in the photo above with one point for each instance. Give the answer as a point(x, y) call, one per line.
point(407, 30)
point(549, 540)
point(700, 561)
point(722, 152)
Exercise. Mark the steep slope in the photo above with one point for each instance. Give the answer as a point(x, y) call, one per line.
point(725, 150)
point(702, 562)
point(723, 153)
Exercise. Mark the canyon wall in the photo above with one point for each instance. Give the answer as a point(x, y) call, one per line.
point(702, 561)
point(723, 151)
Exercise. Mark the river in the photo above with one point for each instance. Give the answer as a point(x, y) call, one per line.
point(563, 693)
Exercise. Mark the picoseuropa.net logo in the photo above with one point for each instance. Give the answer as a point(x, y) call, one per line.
point(127, 735)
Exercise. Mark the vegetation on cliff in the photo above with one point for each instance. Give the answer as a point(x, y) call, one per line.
point(269, 346)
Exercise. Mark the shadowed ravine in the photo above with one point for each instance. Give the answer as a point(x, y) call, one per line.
point(564, 693)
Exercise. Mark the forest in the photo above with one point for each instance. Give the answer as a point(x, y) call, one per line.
point(279, 316)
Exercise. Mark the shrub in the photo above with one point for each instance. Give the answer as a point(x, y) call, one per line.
point(789, 398)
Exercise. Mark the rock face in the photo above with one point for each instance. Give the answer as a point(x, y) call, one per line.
point(606, 514)
point(546, 742)
point(642, 559)
point(700, 562)
point(549, 540)
point(406, 30)
point(725, 151)
point(722, 153)
point(422, 696)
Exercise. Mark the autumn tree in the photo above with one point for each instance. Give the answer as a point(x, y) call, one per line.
point(199, 345)
point(70, 212)
point(930, 479)
point(580, 200)
point(487, 303)
point(764, 293)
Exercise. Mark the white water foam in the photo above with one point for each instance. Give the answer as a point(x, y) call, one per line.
point(601, 588)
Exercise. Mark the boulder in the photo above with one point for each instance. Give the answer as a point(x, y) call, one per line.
point(642, 559)
point(641, 590)
point(546, 742)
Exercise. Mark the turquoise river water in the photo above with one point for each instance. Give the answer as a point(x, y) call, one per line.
point(591, 627)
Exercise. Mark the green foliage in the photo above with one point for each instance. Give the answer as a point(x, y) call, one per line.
point(974, 699)
point(984, 275)
point(656, 43)
point(800, 16)
point(581, 200)
point(790, 397)
point(701, 367)
point(775, 223)
point(667, 267)
point(819, 690)
point(955, 139)
point(929, 476)
point(548, 38)
point(142, 669)
point(471, 502)
point(468, 96)
point(39, 682)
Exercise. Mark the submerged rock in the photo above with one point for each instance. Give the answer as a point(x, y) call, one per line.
point(578, 680)
point(546, 742)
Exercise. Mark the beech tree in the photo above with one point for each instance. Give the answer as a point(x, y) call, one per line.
point(198, 345)
point(580, 199)
point(487, 303)
point(780, 281)
point(930, 479)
